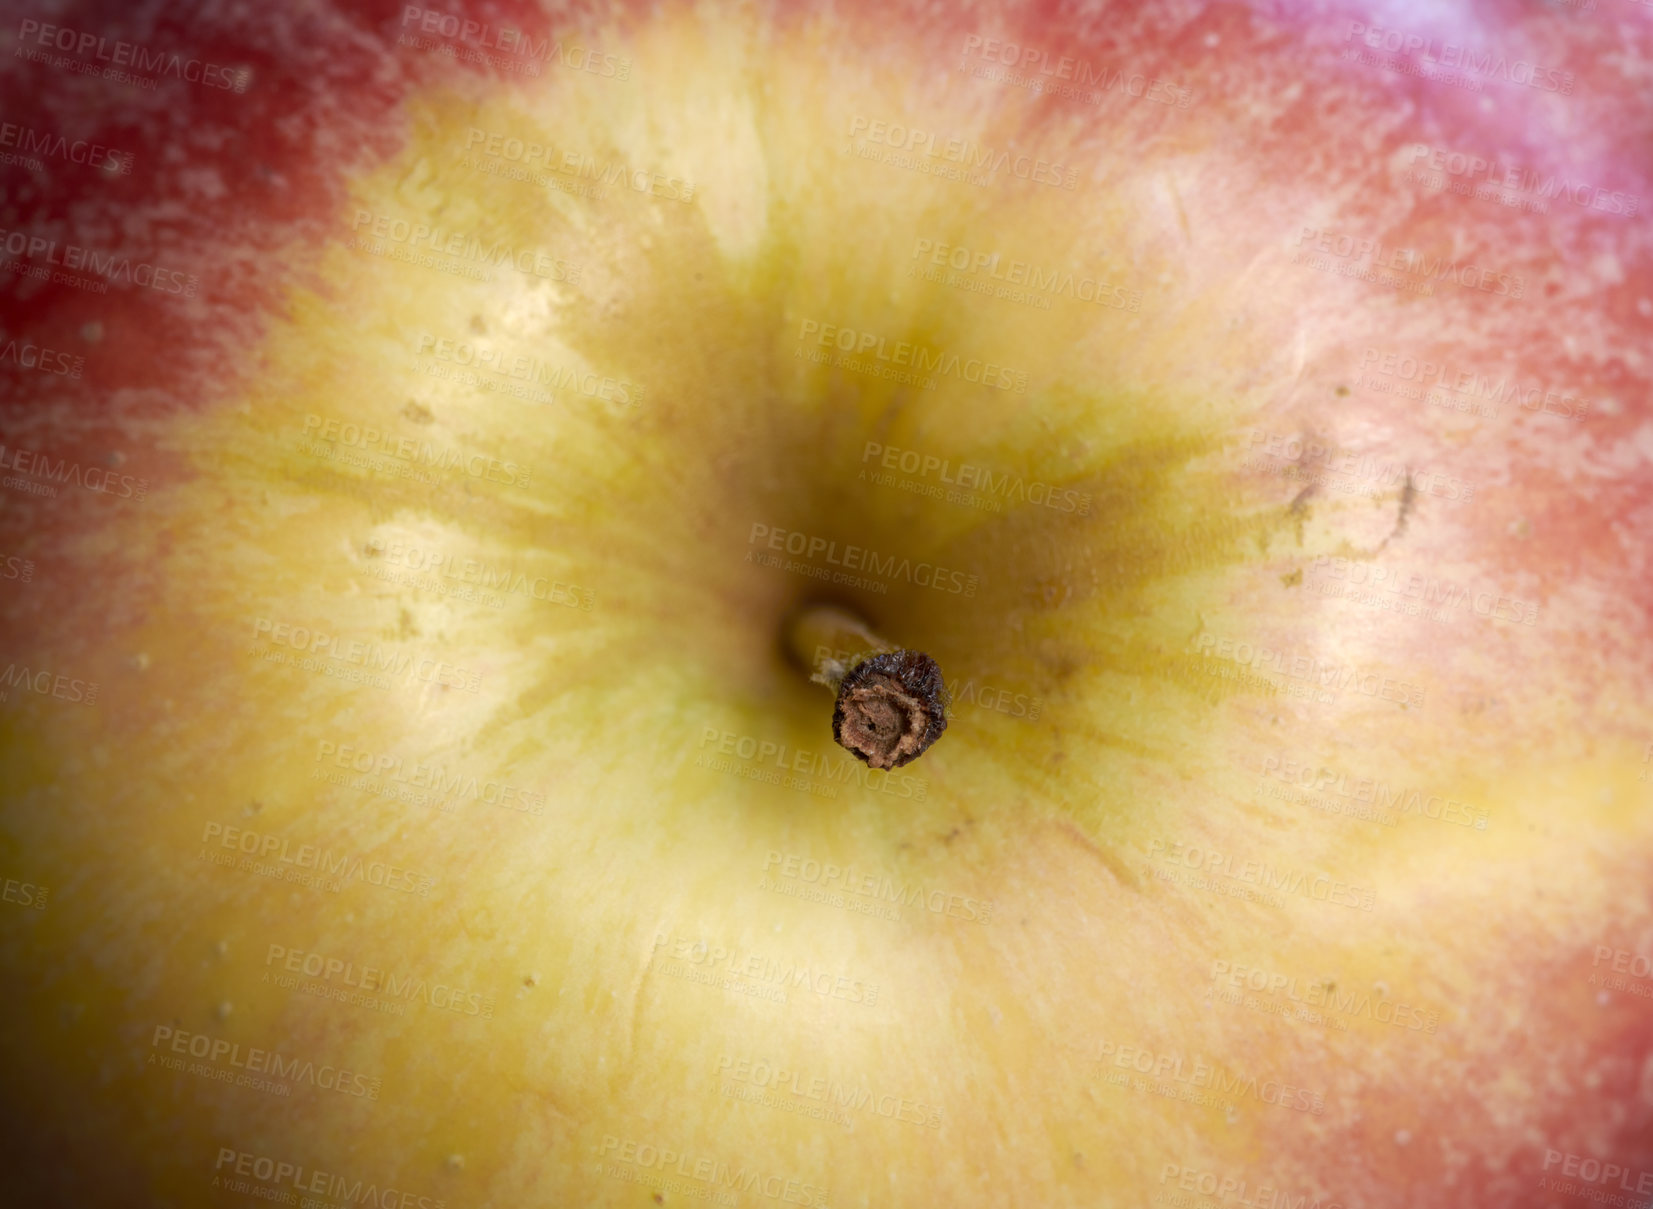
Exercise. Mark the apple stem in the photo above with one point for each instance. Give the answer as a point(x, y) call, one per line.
point(828, 640)
point(891, 703)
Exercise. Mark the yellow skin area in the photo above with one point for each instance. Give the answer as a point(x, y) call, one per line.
point(573, 924)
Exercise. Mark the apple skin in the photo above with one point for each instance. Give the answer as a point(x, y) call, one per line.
point(573, 908)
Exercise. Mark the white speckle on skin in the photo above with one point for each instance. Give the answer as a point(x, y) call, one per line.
point(1403, 1137)
point(1607, 268)
point(203, 182)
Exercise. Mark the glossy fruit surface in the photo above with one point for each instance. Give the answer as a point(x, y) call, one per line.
point(412, 798)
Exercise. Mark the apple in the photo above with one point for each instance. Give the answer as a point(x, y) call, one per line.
point(411, 464)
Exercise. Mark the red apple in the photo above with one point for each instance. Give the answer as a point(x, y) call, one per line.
point(420, 425)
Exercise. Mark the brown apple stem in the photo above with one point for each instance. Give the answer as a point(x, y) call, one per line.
point(892, 703)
